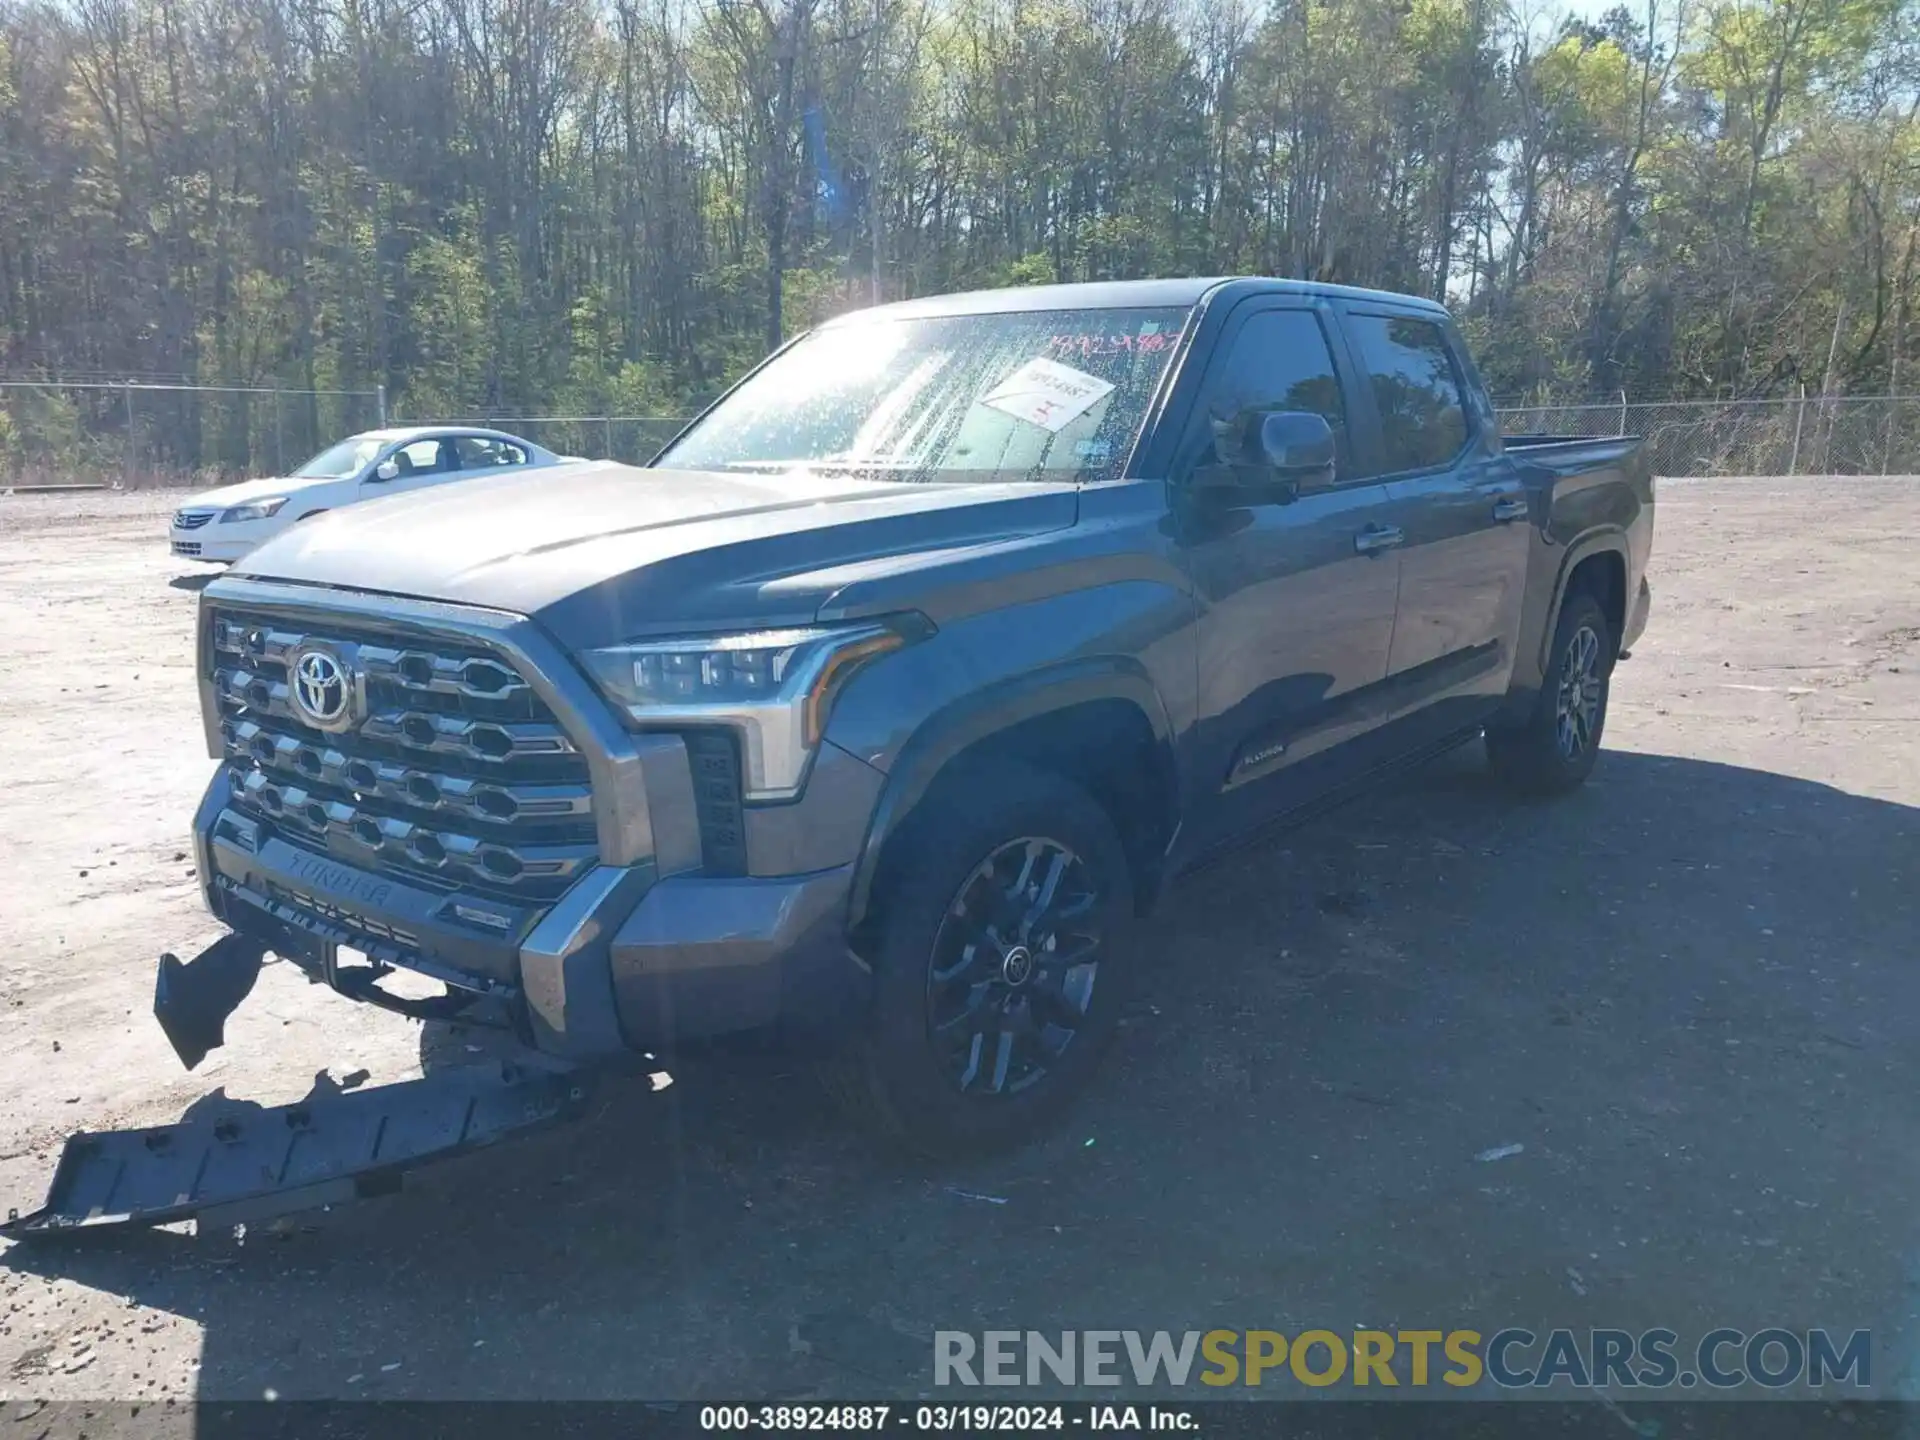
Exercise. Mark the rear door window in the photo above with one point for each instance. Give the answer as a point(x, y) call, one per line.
point(1416, 390)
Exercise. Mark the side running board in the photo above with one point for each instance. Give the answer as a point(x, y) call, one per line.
point(251, 1162)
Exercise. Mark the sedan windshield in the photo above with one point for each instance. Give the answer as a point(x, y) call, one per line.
point(349, 457)
point(1038, 395)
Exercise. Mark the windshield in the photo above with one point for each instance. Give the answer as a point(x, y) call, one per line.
point(349, 457)
point(1036, 395)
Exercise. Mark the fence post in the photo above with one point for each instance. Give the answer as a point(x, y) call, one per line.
point(279, 443)
point(127, 455)
point(1623, 412)
point(380, 401)
point(1799, 419)
point(608, 420)
point(1893, 398)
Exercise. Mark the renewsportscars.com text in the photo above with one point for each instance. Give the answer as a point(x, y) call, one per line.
point(1512, 1358)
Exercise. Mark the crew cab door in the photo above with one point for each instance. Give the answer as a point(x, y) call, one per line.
point(1461, 510)
point(1296, 595)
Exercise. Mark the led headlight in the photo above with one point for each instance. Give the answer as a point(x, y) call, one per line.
point(774, 687)
point(253, 509)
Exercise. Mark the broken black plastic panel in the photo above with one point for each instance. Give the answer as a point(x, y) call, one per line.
point(241, 1161)
point(192, 1001)
point(254, 1161)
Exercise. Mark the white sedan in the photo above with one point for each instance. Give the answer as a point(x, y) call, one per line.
point(224, 524)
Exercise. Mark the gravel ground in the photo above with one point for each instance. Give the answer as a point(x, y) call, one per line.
point(1689, 992)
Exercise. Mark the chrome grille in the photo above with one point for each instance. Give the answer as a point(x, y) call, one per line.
point(191, 519)
point(457, 776)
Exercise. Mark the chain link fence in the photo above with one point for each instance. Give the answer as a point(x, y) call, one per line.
point(1810, 435)
point(134, 434)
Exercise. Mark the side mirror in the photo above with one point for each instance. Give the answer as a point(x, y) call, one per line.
point(1269, 455)
point(386, 470)
point(1297, 446)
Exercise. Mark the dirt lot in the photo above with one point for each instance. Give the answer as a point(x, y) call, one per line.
point(1691, 992)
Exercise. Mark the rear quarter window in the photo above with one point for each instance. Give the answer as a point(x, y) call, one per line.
point(478, 452)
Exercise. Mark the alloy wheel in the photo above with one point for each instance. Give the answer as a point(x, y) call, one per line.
point(1013, 967)
point(1576, 710)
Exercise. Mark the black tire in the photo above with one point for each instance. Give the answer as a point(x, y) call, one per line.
point(1554, 749)
point(970, 842)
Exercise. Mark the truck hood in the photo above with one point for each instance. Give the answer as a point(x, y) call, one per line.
point(602, 552)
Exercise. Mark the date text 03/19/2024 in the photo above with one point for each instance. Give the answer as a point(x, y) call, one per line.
point(941, 1419)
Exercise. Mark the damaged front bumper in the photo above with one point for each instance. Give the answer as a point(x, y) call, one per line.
point(243, 1161)
point(539, 971)
point(616, 968)
point(644, 950)
point(627, 960)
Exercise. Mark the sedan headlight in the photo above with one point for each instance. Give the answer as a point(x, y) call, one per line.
point(774, 687)
point(253, 509)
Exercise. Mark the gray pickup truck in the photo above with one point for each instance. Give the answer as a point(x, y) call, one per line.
point(901, 683)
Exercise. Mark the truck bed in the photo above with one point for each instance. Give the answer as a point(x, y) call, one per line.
point(1581, 450)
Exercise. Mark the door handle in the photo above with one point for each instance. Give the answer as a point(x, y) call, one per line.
point(1510, 507)
point(1375, 538)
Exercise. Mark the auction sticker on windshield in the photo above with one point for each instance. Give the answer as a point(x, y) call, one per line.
point(1048, 394)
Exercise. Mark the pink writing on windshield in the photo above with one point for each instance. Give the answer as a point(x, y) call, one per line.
point(1104, 344)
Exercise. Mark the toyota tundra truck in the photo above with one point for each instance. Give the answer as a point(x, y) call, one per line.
point(898, 687)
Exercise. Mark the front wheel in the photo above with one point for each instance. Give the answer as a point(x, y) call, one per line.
point(997, 970)
point(1553, 750)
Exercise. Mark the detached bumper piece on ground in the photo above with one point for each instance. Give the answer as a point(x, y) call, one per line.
point(249, 1162)
point(266, 1161)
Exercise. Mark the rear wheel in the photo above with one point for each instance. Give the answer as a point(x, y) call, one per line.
point(1554, 749)
point(998, 965)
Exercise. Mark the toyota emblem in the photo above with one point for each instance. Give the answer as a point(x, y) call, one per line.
point(322, 689)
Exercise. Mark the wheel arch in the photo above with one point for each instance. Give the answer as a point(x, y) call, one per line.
point(1597, 563)
point(1099, 721)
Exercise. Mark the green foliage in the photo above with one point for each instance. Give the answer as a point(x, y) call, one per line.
point(37, 426)
point(453, 327)
point(1034, 269)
